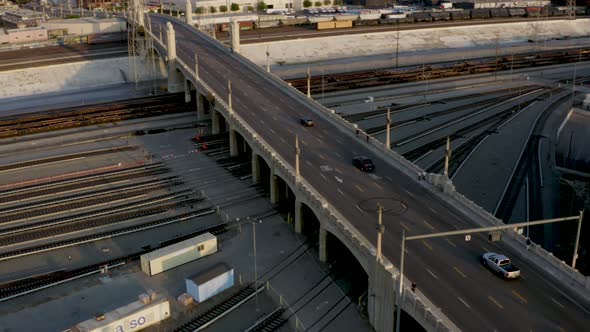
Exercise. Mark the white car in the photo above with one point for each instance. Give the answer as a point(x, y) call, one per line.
point(500, 264)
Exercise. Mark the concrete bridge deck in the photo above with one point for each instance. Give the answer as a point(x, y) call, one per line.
point(463, 295)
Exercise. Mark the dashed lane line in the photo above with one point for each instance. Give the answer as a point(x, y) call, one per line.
point(517, 294)
point(495, 302)
point(340, 191)
point(325, 178)
point(378, 186)
point(459, 272)
point(272, 131)
point(432, 274)
point(283, 140)
point(404, 226)
point(451, 242)
point(465, 303)
point(428, 225)
point(338, 170)
point(359, 208)
point(359, 188)
point(322, 156)
point(559, 304)
point(485, 249)
point(307, 162)
point(427, 245)
point(337, 154)
point(388, 178)
point(407, 192)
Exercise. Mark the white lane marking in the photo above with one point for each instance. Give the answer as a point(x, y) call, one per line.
point(307, 162)
point(485, 249)
point(433, 210)
point(339, 141)
point(449, 241)
point(407, 192)
point(404, 226)
point(432, 274)
point(428, 225)
point(325, 178)
point(282, 139)
point(465, 303)
point(559, 304)
point(359, 208)
point(272, 131)
point(338, 179)
point(388, 178)
point(274, 118)
point(340, 191)
point(337, 154)
point(261, 121)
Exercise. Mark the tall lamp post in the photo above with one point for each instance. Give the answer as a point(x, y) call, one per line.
point(255, 263)
point(405, 238)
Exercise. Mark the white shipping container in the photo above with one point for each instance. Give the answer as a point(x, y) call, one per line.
point(211, 282)
point(177, 254)
point(132, 317)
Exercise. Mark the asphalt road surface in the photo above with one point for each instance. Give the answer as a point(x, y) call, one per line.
point(446, 270)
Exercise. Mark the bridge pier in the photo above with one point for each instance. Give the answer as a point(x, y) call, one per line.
point(234, 32)
point(188, 14)
point(233, 143)
point(274, 188)
point(298, 217)
point(214, 122)
point(187, 92)
point(382, 296)
point(200, 106)
point(255, 168)
point(323, 237)
point(173, 74)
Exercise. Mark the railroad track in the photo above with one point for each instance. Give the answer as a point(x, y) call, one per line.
point(25, 286)
point(363, 79)
point(104, 235)
point(81, 116)
point(104, 179)
point(52, 230)
point(79, 201)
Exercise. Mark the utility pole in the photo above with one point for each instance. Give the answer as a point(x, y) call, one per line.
point(267, 60)
point(397, 45)
point(447, 157)
point(401, 284)
point(388, 130)
point(308, 83)
point(297, 152)
point(574, 84)
point(577, 240)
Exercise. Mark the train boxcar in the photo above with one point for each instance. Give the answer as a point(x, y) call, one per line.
point(295, 21)
point(480, 13)
point(325, 25)
point(267, 24)
point(441, 16)
point(365, 22)
point(169, 257)
point(557, 12)
point(342, 24)
point(460, 15)
point(132, 317)
point(517, 12)
point(533, 11)
point(422, 17)
point(345, 17)
point(499, 12)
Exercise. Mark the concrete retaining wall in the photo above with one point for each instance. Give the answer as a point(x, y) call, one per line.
point(73, 76)
point(359, 45)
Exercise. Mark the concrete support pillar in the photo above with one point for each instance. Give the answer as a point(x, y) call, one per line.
point(234, 32)
point(382, 297)
point(173, 75)
point(139, 9)
point(298, 217)
point(255, 168)
point(274, 188)
point(214, 122)
point(187, 92)
point(200, 106)
point(233, 143)
point(189, 12)
point(323, 245)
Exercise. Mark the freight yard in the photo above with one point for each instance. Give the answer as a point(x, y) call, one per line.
point(126, 206)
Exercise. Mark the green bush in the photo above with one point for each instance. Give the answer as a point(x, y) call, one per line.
point(235, 7)
point(223, 9)
point(250, 8)
point(201, 10)
point(327, 2)
point(212, 9)
point(307, 3)
point(262, 5)
point(318, 3)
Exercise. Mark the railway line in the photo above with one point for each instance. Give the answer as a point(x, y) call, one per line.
point(364, 79)
point(82, 116)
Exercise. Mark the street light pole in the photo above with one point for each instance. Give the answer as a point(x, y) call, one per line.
point(577, 240)
point(255, 263)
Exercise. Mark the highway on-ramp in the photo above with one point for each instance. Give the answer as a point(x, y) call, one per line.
point(446, 270)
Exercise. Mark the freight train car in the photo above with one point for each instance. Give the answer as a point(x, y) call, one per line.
point(480, 13)
point(422, 17)
point(517, 12)
point(499, 13)
point(440, 16)
point(461, 15)
point(295, 21)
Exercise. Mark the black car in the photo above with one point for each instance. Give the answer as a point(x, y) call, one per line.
point(363, 163)
point(306, 122)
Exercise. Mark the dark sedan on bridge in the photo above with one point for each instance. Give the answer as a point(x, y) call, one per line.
point(363, 163)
